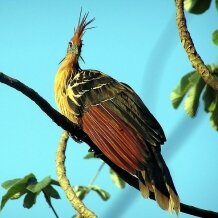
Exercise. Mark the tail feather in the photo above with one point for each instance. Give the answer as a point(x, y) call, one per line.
point(144, 189)
point(162, 200)
point(157, 179)
point(174, 200)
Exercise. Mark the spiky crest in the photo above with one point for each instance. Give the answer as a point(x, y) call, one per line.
point(80, 30)
point(75, 44)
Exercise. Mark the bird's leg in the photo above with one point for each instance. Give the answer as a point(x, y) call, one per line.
point(76, 138)
point(79, 138)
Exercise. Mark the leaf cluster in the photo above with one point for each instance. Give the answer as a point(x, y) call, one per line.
point(193, 87)
point(30, 188)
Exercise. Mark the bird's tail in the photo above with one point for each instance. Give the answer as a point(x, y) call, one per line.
point(156, 178)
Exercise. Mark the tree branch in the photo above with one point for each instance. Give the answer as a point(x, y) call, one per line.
point(65, 183)
point(67, 125)
point(189, 47)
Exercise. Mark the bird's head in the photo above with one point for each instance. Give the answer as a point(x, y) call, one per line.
point(75, 44)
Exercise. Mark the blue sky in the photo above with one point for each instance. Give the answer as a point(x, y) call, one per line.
point(136, 43)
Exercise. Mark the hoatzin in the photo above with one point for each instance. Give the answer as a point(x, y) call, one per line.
point(116, 120)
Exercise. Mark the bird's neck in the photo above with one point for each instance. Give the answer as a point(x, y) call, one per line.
point(69, 67)
point(70, 62)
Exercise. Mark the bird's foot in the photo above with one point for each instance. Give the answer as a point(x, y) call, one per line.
point(76, 139)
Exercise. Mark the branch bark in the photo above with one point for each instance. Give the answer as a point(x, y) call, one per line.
point(65, 183)
point(70, 127)
point(189, 47)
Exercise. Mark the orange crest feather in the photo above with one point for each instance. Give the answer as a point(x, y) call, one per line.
point(81, 28)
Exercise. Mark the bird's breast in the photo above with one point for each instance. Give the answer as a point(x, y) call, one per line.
point(61, 94)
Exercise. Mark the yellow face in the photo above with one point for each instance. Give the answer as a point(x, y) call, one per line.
point(73, 48)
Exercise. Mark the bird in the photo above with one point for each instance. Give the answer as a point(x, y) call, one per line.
point(116, 120)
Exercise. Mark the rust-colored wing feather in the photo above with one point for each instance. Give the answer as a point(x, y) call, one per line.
point(119, 141)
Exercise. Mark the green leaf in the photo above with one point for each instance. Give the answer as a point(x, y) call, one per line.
point(214, 116)
point(192, 100)
point(194, 78)
point(209, 98)
point(29, 199)
point(197, 6)
point(215, 37)
point(81, 191)
point(18, 194)
point(216, 4)
point(89, 155)
point(102, 193)
point(180, 91)
point(9, 183)
point(54, 182)
point(17, 189)
point(51, 192)
point(40, 185)
point(116, 179)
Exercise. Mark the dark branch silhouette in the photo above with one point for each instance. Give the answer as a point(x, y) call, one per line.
point(77, 133)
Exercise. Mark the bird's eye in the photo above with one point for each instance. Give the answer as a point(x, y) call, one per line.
point(70, 44)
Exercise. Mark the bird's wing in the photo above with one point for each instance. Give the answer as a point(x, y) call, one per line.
point(121, 126)
point(115, 119)
point(137, 115)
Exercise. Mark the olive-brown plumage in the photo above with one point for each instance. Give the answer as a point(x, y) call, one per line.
point(116, 120)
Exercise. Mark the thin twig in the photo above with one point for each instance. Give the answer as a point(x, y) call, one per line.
point(48, 200)
point(65, 183)
point(97, 173)
point(67, 125)
point(189, 47)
